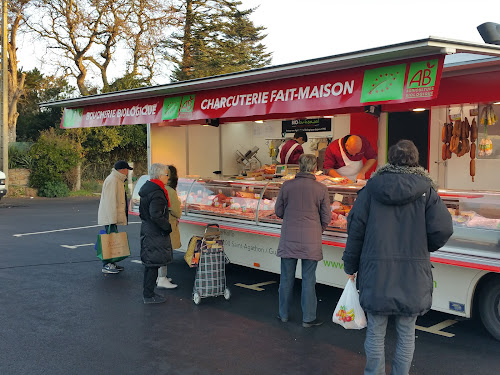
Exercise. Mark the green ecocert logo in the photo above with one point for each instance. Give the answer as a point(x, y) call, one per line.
point(382, 84)
point(72, 117)
point(176, 106)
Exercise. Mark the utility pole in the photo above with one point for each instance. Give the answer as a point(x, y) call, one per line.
point(5, 96)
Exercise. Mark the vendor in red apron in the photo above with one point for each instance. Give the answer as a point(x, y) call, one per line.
point(291, 150)
point(344, 157)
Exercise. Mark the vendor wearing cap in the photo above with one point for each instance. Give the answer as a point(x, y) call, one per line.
point(344, 157)
point(292, 149)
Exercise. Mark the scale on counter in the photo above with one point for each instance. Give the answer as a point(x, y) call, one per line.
point(284, 169)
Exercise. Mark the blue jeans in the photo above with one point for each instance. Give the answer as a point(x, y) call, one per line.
point(308, 297)
point(374, 344)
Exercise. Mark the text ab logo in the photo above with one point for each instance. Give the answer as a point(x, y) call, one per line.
point(172, 107)
point(422, 74)
point(382, 84)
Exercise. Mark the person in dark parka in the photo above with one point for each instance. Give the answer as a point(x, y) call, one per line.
point(156, 247)
point(304, 206)
point(397, 219)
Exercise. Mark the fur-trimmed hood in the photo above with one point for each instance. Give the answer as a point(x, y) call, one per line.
point(398, 185)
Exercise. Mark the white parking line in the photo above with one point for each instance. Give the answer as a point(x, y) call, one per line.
point(255, 286)
point(62, 230)
point(75, 246)
point(436, 328)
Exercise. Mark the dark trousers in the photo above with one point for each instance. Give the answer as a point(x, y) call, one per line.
point(114, 228)
point(150, 276)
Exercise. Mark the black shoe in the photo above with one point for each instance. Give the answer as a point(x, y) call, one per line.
point(119, 268)
point(283, 320)
point(314, 323)
point(155, 299)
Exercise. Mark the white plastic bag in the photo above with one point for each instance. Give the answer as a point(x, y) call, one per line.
point(348, 312)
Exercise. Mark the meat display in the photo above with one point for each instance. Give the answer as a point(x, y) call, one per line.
point(460, 138)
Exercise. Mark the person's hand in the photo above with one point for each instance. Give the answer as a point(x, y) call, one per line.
point(360, 176)
point(352, 277)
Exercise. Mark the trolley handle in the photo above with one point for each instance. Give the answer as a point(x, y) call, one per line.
point(213, 233)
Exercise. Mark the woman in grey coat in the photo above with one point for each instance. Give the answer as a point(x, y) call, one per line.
point(395, 222)
point(304, 206)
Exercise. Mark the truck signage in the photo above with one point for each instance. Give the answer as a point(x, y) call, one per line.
point(407, 81)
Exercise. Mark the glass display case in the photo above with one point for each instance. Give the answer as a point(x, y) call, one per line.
point(476, 220)
point(255, 200)
point(231, 199)
point(476, 215)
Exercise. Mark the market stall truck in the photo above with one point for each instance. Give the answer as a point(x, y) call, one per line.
point(466, 270)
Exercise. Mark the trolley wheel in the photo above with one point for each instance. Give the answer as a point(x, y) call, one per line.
point(489, 307)
point(196, 298)
point(227, 293)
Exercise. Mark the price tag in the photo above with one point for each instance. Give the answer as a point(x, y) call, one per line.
point(338, 197)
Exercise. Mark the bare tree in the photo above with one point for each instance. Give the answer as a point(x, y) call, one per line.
point(16, 12)
point(86, 35)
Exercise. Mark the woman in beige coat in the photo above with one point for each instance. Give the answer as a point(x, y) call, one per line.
point(164, 282)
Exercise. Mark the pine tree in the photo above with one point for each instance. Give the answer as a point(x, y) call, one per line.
point(215, 37)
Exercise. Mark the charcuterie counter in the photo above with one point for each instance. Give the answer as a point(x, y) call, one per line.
point(249, 206)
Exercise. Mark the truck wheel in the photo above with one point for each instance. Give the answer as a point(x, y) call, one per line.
point(489, 307)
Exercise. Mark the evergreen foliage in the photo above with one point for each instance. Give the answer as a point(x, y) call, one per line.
point(39, 88)
point(54, 155)
point(215, 37)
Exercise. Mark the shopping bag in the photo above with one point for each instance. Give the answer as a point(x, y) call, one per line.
point(192, 255)
point(112, 247)
point(348, 312)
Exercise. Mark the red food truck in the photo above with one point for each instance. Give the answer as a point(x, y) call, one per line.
point(442, 94)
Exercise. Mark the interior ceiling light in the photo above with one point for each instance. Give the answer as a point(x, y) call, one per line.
point(496, 103)
point(259, 121)
point(328, 116)
point(418, 109)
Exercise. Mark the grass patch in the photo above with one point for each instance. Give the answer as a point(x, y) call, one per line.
point(88, 189)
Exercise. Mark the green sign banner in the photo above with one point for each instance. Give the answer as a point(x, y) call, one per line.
point(389, 83)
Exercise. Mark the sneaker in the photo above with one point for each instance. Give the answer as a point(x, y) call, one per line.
point(119, 268)
point(283, 320)
point(314, 323)
point(110, 268)
point(155, 299)
point(164, 283)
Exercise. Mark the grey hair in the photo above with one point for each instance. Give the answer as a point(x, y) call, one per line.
point(403, 153)
point(307, 162)
point(158, 169)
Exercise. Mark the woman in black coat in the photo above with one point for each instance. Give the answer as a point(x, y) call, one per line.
point(156, 248)
point(395, 222)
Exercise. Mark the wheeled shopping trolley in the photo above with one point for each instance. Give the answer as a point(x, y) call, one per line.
point(210, 278)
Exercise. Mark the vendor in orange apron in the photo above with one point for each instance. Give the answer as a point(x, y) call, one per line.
point(344, 157)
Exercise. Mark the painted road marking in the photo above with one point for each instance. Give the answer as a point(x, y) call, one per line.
point(256, 286)
point(136, 261)
point(436, 328)
point(62, 230)
point(75, 246)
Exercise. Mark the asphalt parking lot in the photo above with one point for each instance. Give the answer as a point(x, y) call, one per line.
point(61, 315)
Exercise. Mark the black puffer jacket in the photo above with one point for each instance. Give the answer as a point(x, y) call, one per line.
point(156, 248)
point(397, 219)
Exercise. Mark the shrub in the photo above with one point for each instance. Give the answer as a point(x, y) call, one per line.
point(53, 156)
point(53, 189)
point(19, 156)
point(92, 186)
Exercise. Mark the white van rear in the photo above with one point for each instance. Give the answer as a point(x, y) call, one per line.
point(3, 190)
